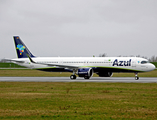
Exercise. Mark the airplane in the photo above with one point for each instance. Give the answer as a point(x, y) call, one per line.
point(80, 66)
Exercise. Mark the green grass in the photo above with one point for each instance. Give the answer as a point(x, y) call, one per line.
point(155, 63)
point(143, 74)
point(36, 73)
point(10, 65)
point(31, 73)
point(47, 100)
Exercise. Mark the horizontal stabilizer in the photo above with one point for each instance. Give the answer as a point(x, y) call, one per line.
point(18, 61)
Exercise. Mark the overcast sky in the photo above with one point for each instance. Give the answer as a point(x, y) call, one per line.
point(79, 27)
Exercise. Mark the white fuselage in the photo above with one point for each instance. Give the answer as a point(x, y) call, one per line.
point(115, 64)
point(81, 66)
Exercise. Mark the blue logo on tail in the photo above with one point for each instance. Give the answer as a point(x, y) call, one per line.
point(21, 48)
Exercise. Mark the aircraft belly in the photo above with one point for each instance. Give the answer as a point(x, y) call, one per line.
point(54, 70)
point(115, 70)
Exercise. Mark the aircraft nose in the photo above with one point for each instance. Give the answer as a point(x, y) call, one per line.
point(152, 66)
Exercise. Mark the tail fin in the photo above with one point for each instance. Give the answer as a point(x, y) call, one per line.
point(21, 48)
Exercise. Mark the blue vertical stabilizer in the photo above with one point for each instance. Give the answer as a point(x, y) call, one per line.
point(21, 48)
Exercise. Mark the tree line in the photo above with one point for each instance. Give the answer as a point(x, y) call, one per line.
point(151, 59)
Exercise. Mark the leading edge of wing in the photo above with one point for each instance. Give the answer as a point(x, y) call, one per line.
point(49, 64)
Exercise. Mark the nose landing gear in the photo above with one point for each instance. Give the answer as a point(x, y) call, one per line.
point(136, 76)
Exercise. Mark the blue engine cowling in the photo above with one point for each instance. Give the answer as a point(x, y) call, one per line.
point(85, 72)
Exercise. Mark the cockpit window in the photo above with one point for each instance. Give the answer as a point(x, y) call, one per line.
point(144, 62)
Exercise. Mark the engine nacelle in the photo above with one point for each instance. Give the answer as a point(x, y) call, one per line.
point(105, 74)
point(85, 72)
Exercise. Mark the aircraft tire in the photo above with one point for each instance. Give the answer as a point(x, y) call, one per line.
point(136, 78)
point(72, 77)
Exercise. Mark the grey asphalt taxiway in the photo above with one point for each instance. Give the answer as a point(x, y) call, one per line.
point(67, 79)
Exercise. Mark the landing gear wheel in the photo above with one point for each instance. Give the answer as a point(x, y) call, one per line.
point(136, 78)
point(72, 77)
point(86, 77)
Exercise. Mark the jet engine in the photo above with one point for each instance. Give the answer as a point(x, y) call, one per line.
point(85, 72)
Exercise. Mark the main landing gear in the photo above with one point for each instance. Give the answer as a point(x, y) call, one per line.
point(136, 76)
point(72, 77)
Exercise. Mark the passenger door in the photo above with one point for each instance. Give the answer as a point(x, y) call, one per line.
point(133, 62)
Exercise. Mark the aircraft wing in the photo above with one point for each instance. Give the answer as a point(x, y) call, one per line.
point(64, 66)
point(49, 64)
